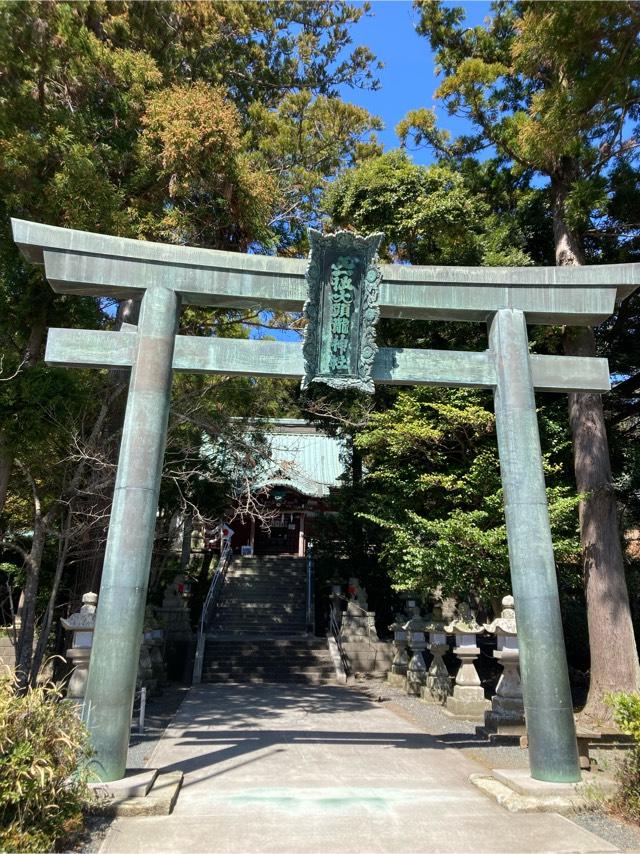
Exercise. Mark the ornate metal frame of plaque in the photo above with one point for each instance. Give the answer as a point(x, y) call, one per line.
point(341, 310)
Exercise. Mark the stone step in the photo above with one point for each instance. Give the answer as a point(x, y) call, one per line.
point(241, 586)
point(266, 575)
point(260, 602)
point(267, 632)
point(257, 658)
point(258, 617)
point(268, 666)
point(266, 599)
point(246, 619)
point(259, 680)
point(260, 562)
point(264, 628)
point(258, 642)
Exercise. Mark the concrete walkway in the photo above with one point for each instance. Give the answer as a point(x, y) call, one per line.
point(289, 769)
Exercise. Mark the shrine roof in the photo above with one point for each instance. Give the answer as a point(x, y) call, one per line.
point(303, 458)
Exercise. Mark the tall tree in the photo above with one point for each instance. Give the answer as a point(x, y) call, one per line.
point(553, 88)
point(181, 121)
point(432, 474)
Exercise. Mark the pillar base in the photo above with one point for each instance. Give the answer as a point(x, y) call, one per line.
point(468, 703)
point(398, 680)
point(517, 791)
point(140, 792)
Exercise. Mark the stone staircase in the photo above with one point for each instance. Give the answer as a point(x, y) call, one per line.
point(258, 631)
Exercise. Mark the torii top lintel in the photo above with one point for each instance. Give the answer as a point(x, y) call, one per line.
point(84, 263)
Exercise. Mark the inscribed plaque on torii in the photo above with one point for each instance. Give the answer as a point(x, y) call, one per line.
point(341, 310)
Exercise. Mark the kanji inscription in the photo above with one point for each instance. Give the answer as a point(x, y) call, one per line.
point(342, 310)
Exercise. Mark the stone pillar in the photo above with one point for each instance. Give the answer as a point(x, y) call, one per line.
point(156, 651)
point(400, 658)
point(125, 574)
point(146, 676)
point(553, 752)
point(398, 672)
point(468, 700)
point(507, 708)
point(82, 624)
point(438, 684)
point(416, 669)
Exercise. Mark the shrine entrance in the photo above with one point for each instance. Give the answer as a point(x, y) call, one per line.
point(282, 537)
point(343, 290)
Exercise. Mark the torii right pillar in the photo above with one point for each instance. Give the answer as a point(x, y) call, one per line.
point(553, 752)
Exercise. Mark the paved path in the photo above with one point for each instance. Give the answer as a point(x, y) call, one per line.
point(289, 769)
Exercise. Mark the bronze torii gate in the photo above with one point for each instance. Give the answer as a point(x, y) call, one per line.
point(166, 276)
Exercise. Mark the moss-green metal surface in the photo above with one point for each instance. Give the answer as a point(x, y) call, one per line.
point(553, 752)
point(84, 263)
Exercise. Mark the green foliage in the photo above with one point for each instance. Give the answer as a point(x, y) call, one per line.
point(626, 713)
point(431, 483)
point(434, 478)
point(429, 214)
point(209, 123)
point(43, 747)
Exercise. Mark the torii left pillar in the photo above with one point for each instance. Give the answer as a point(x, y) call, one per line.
point(125, 575)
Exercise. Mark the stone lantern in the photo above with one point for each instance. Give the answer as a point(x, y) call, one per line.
point(398, 672)
point(416, 669)
point(82, 624)
point(437, 686)
point(468, 695)
point(507, 707)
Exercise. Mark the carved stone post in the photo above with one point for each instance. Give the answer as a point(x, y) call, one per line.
point(438, 684)
point(82, 624)
point(468, 699)
point(397, 674)
point(416, 669)
point(507, 708)
point(156, 650)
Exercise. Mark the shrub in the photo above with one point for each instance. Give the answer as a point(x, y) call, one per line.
point(43, 749)
point(626, 713)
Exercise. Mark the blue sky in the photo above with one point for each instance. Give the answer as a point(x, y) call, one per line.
point(408, 78)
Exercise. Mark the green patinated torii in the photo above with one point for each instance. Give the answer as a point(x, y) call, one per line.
point(166, 276)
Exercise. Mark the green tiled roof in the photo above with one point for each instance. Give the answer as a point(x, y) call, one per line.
point(302, 458)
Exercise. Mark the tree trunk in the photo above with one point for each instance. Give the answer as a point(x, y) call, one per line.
point(614, 656)
point(6, 466)
point(47, 620)
point(24, 651)
point(187, 530)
